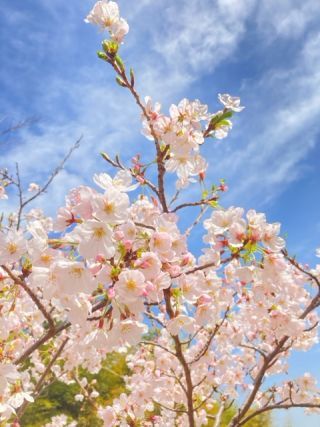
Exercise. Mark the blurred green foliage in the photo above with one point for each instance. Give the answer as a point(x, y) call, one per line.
point(59, 398)
point(262, 420)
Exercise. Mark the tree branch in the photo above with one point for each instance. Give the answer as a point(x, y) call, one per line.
point(40, 382)
point(24, 203)
point(18, 281)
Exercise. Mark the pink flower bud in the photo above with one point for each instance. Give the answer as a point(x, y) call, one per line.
point(202, 176)
point(150, 287)
point(111, 293)
point(185, 260)
point(100, 258)
point(204, 299)
point(128, 244)
point(136, 158)
point(223, 187)
point(140, 179)
point(118, 235)
point(154, 201)
point(95, 268)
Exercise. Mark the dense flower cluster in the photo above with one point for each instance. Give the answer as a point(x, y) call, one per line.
point(115, 273)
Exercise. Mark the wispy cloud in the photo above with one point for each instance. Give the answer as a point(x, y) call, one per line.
point(199, 35)
point(270, 156)
point(286, 18)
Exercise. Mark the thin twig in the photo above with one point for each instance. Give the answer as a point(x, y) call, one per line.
point(158, 345)
point(40, 382)
point(119, 165)
point(19, 125)
point(199, 203)
point(24, 203)
point(52, 333)
point(196, 221)
point(20, 282)
point(277, 406)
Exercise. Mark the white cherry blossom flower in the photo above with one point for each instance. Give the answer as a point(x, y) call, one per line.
point(12, 246)
point(3, 194)
point(108, 416)
point(128, 332)
point(72, 277)
point(17, 399)
point(130, 285)
point(33, 187)
point(112, 206)
point(230, 102)
point(119, 30)
point(104, 14)
point(183, 322)
point(122, 181)
point(95, 238)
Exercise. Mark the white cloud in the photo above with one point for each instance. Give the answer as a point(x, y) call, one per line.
point(201, 34)
point(271, 157)
point(179, 42)
point(286, 18)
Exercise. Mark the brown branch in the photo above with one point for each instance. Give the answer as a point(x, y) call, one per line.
point(51, 363)
point(196, 221)
point(269, 361)
point(158, 345)
point(204, 401)
point(212, 335)
point(277, 406)
point(85, 392)
point(117, 164)
point(209, 264)
point(52, 333)
point(150, 227)
point(174, 376)
point(40, 382)
point(161, 154)
point(175, 197)
point(300, 268)
point(151, 316)
point(24, 203)
point(190, 204)
point(19, 125)
point(177, 411)
point(18, 281)
point(251, 347)
point(311, 327)
point(182, 360)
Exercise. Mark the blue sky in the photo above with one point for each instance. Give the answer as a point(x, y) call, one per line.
point(265, 51)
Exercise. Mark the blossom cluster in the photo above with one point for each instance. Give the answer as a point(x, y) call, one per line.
point(184, 131)
point(106, 15)
point(114, 272)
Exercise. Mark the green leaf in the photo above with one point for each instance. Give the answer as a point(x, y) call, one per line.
point(103, 56)
point(120, 63)
point(110, 47)
point(105, 156)
point(220, 117)
point(131, 77)
point(214, 204)
point(205, 194)
point(120, 82)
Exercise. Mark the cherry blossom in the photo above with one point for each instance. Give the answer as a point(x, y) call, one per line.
point(230, 102)
point(200, 327)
